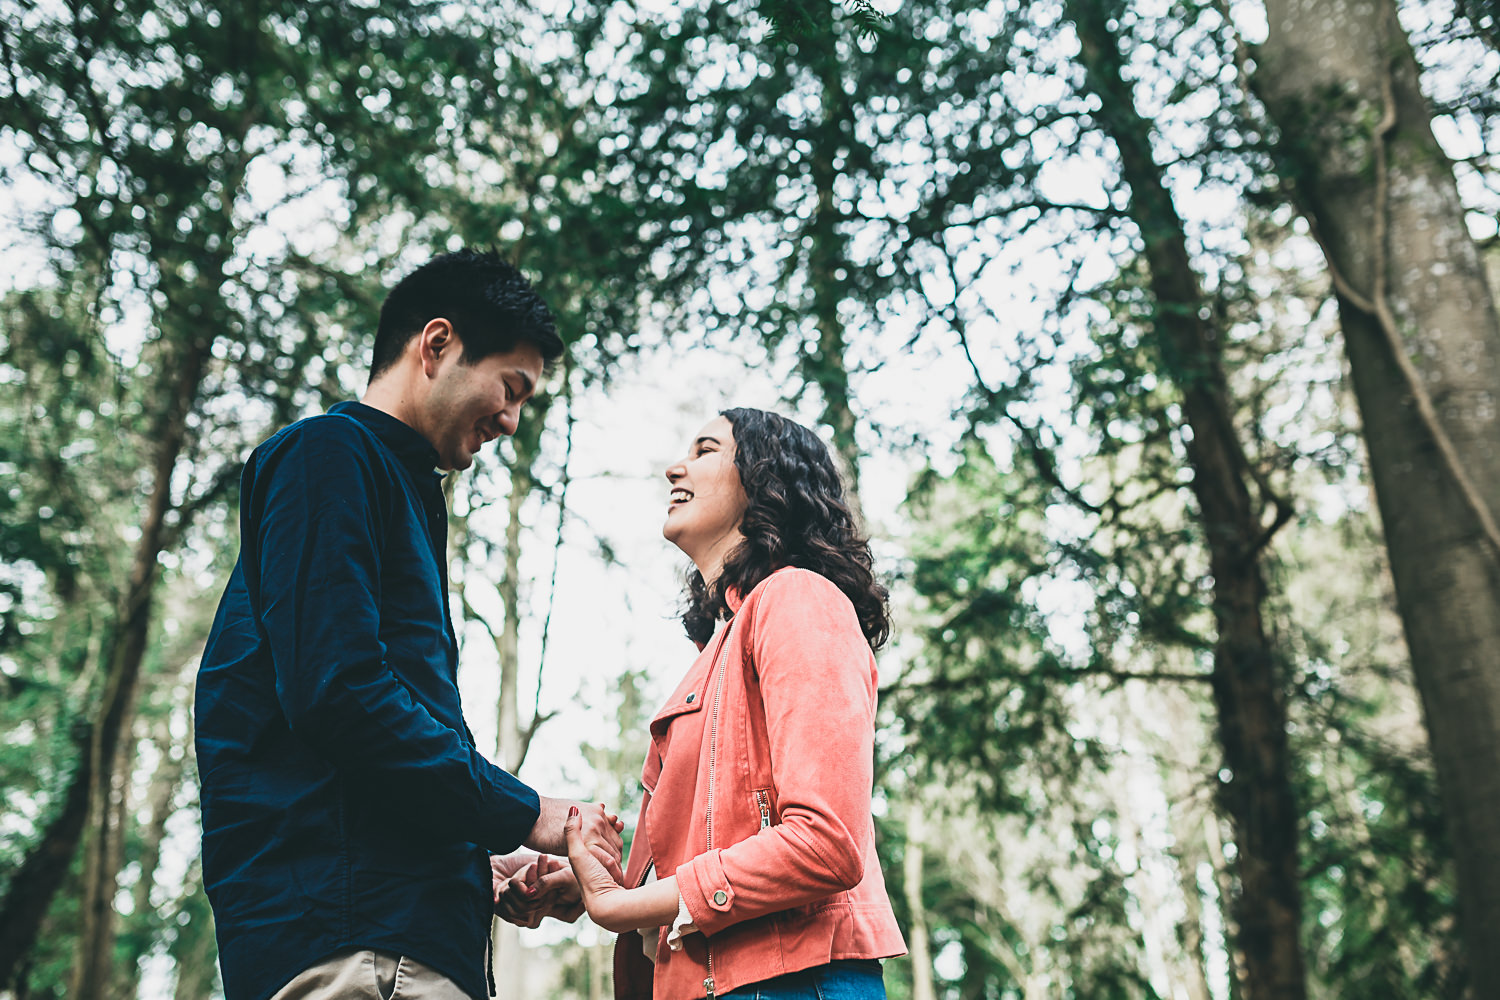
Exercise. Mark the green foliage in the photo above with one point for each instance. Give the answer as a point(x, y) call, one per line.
point(985, 687)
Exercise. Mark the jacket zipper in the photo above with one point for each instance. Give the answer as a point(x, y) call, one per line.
point(713, 755)
point(764, 801)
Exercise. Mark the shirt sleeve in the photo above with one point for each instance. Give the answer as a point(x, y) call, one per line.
point(314, 529)
point(817, 681)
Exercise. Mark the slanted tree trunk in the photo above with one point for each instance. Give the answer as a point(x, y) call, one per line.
point(112, 722)
point(1340, 81)
point(40, 874)
point(1235, 512)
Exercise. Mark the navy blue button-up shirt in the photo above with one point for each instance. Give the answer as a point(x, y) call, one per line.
point(344, 803)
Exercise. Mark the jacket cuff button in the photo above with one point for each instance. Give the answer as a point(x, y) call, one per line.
point(721, 897)
point(690, 697)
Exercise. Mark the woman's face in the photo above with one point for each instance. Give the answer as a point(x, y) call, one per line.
point(707, 500)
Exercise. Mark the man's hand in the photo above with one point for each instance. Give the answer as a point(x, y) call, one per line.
point(599, 831)
point(528, 888)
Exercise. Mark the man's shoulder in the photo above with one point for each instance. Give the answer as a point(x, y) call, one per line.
point(325, 451)
point(326, 434)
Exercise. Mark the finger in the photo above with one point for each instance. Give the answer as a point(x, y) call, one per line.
point(610, 863)
point(561, 883)
point(511, 907)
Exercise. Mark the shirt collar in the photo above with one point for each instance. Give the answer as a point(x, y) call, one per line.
point(414, 450)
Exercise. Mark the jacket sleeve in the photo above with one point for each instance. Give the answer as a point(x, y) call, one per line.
point(313, 525)
point(817, 680)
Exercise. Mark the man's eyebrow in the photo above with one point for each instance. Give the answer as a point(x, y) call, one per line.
point(707, 439)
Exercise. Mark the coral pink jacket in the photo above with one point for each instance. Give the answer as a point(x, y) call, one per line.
point(758, 784)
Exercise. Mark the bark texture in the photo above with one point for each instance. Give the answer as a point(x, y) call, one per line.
point(1238, 515)
point(1341, 83)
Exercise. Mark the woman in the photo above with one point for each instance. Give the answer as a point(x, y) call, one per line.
point(753, 871)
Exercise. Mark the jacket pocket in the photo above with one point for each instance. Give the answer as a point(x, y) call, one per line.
point(764, 803)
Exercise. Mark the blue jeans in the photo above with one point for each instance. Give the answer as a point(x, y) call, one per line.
point(846, 979)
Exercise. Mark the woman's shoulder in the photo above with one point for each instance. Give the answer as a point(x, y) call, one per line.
point(803, 588)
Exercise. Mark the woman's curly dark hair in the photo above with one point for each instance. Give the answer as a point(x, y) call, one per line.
point(797, 516)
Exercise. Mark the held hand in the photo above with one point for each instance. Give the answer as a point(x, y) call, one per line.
point(516, 899)
point(542, 888)
point(600, 830)
point(593, 878)
point(610, 904)
point(555, 882)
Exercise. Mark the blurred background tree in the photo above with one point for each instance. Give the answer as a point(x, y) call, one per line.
point(1070, 299)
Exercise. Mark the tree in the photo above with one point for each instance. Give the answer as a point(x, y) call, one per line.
point(1423, 341)
point(146, 121)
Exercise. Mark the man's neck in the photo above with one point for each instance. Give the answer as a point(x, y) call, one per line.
point(392, 395)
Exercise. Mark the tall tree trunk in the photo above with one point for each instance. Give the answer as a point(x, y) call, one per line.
point(1423, 340)
point(510, 970)
point(196, 968)
point(1189, 851)
point(1247, 688)
point(824, 363)
point(920, 947)
point(161, 804)
point(40, 874)
point(96, 944)
point(103, 856)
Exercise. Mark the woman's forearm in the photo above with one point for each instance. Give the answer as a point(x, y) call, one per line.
point(621, 909)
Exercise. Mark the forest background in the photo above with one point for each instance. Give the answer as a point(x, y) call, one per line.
point(1158, 339)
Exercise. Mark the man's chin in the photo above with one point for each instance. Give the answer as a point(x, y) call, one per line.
point(455, 463)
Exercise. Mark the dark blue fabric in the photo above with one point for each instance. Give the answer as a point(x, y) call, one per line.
point(344, 803)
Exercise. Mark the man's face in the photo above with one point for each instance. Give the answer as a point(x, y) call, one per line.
point(468, 405)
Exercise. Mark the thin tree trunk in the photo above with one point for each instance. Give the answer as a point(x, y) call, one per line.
point(1247, 689)
point(825, 365)
point(196, 967)
point(160, 801)
point(510, 978)
point(37, 880)
point(1423, 341)
point(104, 854)
point(918, 945)
point(91, 978)
point(1182, 780)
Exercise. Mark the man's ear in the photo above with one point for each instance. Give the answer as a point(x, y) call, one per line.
point(436, 338)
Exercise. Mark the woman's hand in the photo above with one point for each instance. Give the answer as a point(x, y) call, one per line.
point(610, 904)
point(526, 892)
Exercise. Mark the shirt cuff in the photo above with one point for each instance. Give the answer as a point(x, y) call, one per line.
point(680, 926)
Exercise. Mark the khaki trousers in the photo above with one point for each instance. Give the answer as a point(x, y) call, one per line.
point(370, 975)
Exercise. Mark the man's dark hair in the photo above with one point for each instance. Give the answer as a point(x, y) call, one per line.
point(491, 305)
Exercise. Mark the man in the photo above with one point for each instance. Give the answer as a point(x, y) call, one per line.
point(348, 820)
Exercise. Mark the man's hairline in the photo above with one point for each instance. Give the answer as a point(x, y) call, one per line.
point(549, 365)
